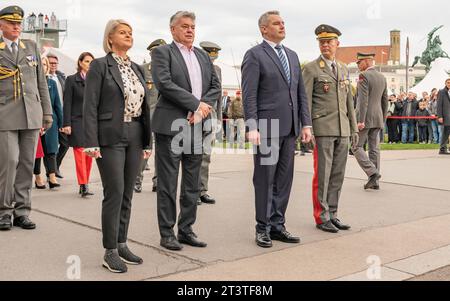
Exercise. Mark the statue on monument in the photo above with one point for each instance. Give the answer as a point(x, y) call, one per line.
point(433, 51)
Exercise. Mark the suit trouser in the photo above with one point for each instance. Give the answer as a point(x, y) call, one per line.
point(17, 154)
point(168, 165)
point(140, 176)
point(444, 137)
point(369, 164)
point(63, 148)
point(272, 179)
point(206, 160)
point(118, 168)
point(330, 159)
point(83, 165)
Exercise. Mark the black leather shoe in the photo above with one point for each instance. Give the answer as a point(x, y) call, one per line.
point(59, 175)
point(338, 224)
point(170, 243)
point(138, 188)
point(376, 187)
point(284, 236)
point(207, 199)
point(373, 180)
point(191, 239)
point(263, 240)
point(199, 202)
point(154, 188)
point(444, 152)
point(24, 222)
point(84, 188)
point(328, 227)
point(5, 222)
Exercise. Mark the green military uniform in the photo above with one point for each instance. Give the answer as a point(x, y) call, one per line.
point(371, 109)
point(153, 100)
point(24, 105)
point(216, 114)
point(333, 117)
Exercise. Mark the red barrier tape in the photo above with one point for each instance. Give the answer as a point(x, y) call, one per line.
point(412, 117)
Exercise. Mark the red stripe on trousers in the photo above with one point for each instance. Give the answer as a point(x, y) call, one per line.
point(315, 188)
point(83, 164)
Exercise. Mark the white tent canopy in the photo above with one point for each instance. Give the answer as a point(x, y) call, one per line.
point(439, 72)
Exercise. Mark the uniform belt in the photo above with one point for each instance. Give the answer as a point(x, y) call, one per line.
point(131, 119)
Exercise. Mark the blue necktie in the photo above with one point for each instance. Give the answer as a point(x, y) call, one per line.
point(284, 62)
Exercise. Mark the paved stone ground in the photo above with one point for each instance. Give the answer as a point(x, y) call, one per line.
point(398, 233)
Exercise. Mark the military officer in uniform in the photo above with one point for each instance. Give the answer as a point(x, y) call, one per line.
point(24, 110)
point(216, 118)
point(371, 112)
point(330, 99)
point(153, 100)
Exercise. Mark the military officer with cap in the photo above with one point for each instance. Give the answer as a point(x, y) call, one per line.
point(216, 118)
point(153, 100)
point(371, 112)
point(24, 110)
point(330, 99)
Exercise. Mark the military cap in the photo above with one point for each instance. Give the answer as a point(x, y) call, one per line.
point(12, 14)
point(210, 47)
point(363, 56)
point(327, 32)
point(156, 43)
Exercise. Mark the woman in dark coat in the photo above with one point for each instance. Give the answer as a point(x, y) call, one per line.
point(50, 141)
point(73, 113)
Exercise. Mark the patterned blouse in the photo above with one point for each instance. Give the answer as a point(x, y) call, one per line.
point(133, 89)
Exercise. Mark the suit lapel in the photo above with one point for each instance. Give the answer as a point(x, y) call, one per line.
point(181, 62)
point(5, 52)
point(269, 50)
point(114, 68)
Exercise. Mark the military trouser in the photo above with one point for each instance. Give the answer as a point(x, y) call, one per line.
point(369, 164)
point(330, 159)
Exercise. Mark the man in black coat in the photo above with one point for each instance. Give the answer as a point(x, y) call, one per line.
point(443, 113)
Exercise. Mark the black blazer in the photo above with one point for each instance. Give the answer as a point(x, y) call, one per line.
point(104, 104)
point(267, 94)
point(443, 106)
point(171, 78)
point(73, 108)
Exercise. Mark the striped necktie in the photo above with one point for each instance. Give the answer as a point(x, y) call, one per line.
point(284, 62)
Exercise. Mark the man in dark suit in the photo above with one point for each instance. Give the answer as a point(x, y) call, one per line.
point(443, 112)
point(188, 88)
point(276, 112)
point(60, 79)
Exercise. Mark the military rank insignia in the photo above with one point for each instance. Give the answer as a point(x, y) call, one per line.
point(322, 64)
point(32, 61)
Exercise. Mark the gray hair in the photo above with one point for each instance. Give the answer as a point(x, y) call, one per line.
point(181, 14)
point(264, 19)
point(110, 28)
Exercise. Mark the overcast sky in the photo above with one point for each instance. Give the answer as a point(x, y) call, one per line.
point(233, 23)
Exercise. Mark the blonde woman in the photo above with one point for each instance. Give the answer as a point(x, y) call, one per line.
point(116, 122)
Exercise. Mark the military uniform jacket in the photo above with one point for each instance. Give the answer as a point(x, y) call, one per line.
point(25, 111)
point(372, 101)
point(330, 99)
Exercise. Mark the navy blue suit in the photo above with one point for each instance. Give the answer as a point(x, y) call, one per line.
point(269, 96)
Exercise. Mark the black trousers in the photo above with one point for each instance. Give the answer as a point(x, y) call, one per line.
point(63, 148)
point(118, 168)
point(272, 180)
point(393, 134)
point(423, 129)
point(444, 138)
point(49, 159)
point(168, 164)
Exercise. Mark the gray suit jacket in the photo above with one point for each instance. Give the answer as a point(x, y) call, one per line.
point(26, 111)
point(443, 106)
point(171, 77)
point(268, 95)
point(372, 100)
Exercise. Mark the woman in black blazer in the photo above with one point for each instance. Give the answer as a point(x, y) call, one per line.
point(73, 128)
point(116, 122)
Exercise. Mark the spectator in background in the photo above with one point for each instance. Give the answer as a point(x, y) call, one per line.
point(394, 110)
point(236, 115)
point(422, 124)
point(432, 108)
point(408, 125)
